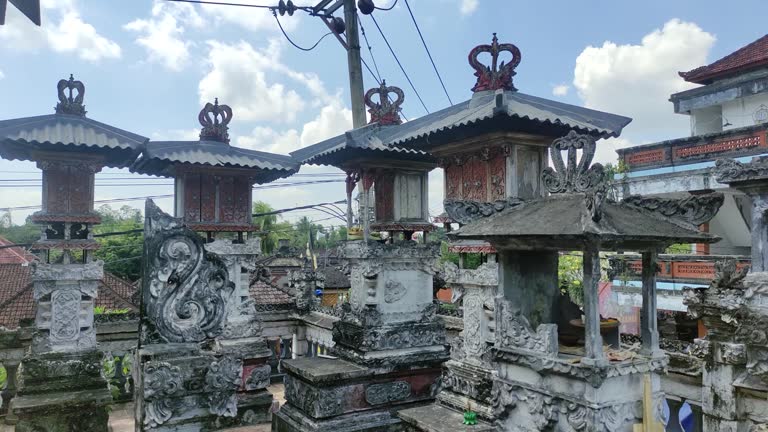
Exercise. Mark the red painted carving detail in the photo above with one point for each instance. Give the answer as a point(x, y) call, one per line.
point(474, 181)
point(728, 145)
point(226, 199)
point(498, 167)
point(242, 202)
point(453, 182)
point(192, 197)
point(497, 75)
point(385, 197)
point(208, 197)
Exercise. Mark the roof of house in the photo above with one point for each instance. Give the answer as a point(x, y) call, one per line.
point(484, 111)
point(267, 294)
point(746, 58)
point(17, 302)
point(13, 255)
point(159, 157)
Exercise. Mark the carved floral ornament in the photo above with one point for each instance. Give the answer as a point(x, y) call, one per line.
point(385, 111)
point(215, 119)
point(70, 103)
point(496, 76)
point(573, 177)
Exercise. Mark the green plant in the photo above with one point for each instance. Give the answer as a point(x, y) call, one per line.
point(570, 275)
point(101, 310)
point(3, 377)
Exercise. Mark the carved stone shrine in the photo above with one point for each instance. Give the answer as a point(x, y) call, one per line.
point(61, 386)
point(214, 195)
point(734, 310)
point(184, 378)
point(540, 383)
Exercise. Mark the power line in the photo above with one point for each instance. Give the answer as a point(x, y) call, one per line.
point(400, 64)
point(274, 13)
point(429, 54)
point(370, 52)
point(387, 8)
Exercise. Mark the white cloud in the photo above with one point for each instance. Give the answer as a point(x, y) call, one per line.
point(161, 34)
point(238, 77)
point(177, 135)
point(333, 119)
point(560, 89)
point(636, 80)
point(68, 34)
point(2, 75)
point(253, 19)
point(469, 6)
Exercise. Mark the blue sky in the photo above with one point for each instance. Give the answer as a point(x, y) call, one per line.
point(149, 66)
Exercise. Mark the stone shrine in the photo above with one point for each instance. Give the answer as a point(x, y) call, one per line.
point(213, 183)
point(541, 384)
point(60, 383)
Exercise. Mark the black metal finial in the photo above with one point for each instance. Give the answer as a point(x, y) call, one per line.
point(71, 104)
point(214, 118)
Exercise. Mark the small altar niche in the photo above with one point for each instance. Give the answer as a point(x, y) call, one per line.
point(529, 235)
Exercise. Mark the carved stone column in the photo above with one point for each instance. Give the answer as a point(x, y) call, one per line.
point(184, 377)
point(61, 384)
point(389, 342)
point(242, 335)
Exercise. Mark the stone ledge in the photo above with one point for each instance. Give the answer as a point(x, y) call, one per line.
point(322, 370)
point(65, 401)
point(437, 418)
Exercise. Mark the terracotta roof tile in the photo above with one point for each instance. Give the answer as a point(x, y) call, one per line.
point(745, 58)
point(14, 255)
point(265, 293)
point(17, 303)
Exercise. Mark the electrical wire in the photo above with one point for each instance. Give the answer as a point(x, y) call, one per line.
point(370, 51)
point(387, 8)
point(291, 41)
point(429, 54)
point(224, 3)
point(399, 64)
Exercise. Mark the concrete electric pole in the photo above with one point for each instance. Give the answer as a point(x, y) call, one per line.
point(355, 65)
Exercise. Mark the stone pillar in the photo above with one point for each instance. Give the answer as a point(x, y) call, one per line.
point(242, 335)
point(185, 378)
point(389, 343)
point(649, 321)
point(61, 384)
point(593, 341)
point(9, 392)
point(759, 229)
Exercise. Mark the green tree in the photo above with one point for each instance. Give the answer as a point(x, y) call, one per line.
point(121, 253)
point(267, 225)
point(570, 275)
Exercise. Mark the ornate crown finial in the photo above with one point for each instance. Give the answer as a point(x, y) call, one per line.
point(497, 76)
point(573, 178)
point(385, 112)
point(71, 104)
point(214, 118)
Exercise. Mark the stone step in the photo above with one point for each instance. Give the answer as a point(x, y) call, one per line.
point(437, 418)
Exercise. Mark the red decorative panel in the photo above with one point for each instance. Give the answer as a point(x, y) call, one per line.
point(226, 199)
point(693, 270)
point(498, 168)
point(385, 197)
point(453, 182)
point(192, 197)
point(722, 146)
point(242, 191)
point(645, 157)
point(80, 191)
point(474, 181)
point(57, 192)
point(208, 198)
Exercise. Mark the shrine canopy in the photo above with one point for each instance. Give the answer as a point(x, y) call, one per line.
point(577, 214)
point(213, 180)
point(164, 158)
point(68, 130)
point(368, 146)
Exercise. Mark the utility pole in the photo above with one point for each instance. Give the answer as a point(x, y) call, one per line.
point(355, 65)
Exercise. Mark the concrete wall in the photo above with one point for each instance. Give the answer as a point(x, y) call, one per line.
point(707, 120)
point(740, 112)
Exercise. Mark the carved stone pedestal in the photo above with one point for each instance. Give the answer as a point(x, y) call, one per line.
point(389, 340)
point(186, 378)
point(242, 336)
point(61, 386)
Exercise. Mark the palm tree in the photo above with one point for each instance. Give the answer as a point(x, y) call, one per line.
point(266, 224)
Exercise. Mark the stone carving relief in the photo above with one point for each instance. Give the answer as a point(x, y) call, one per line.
point(222, 380)
point(318, 402)
point(514, 331)
point(691, 211)
point(258, 378)
point(379, 394)
point(394, 291)
point(573, 177)
point(730, 170)
point(185, 287)
point(465, 212)
point(157, 412)
point(65, 315)
point(161, 379)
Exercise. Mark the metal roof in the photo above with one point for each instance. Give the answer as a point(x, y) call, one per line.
point(20, 137)
point(370, 137)
point(159, 158)
point(516, 111)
